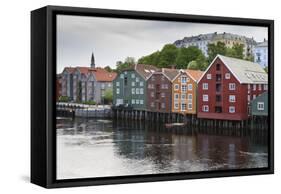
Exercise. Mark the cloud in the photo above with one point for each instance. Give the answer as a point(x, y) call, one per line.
point(113, 39)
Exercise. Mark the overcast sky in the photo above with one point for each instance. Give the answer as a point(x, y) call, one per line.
point(113, 40)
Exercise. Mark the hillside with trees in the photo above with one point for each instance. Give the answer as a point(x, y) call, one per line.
point(182, 58)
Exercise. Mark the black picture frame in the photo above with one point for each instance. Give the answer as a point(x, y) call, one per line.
point(43, 75)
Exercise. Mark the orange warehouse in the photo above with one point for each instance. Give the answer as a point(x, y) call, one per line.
point(184, 90)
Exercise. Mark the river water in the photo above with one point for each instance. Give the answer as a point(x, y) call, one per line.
point(89, 148)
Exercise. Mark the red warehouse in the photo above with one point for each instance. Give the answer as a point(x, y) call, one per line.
point(227, 87)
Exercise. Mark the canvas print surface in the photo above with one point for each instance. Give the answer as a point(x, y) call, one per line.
point(150, 97)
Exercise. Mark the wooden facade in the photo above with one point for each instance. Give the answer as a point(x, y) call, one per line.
point(259, 106)
point(159, 90)
point(184, 91)
point(129, 87)
point(227, 87)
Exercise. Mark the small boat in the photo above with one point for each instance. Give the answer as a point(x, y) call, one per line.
point(170, 125)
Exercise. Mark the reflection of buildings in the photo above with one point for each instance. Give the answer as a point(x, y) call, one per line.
point(222, 150)
point(201, 41)
point(82, 84)
point(261, 53)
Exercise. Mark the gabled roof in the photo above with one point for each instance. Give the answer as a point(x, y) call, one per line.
point(145, 70)
point(170, 73)
point(195, 74)
point(102, 75)
point(246, 72)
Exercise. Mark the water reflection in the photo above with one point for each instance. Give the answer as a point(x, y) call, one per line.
point(97, 148)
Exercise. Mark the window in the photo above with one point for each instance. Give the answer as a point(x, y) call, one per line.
point(265, 87)
point(249, 97)
point(176, 96)
point(176, 86)
point(254, 87)
point(231, 86)
point(183, 88)
point(151, 86)
point(189, 97)
point(218, 77)
point(162, 105)
point(176, 105)
point(183, 96)
point(153, 78)
point(183, 106)
point(133, 75)
point(133, 101)
point(260, 106)
point(141, 83)
point(133, 83)
point(152, 94)
point(189, 106)
point(205, 108)
point(163, 95)
point(209, 76)
point(231, 109)
point(183, 79)
point(205, 98)
point(137, 91)
point(205, 86)
point(227, 76)
point(109, 84)
point(259, 87)
point(141, 101)
point(254, 96)
point(152, 104)
point(218, 109)
point(119, 101)
point(133, 90)
point(117, 91)
point(218, 67)
point(137, 79)
point(231, 98)
point(117, 84)
point(218, 98)
point(137, 101)
point(162, 77)
point(249, 87)
point(218, 87)
point(141, 90)
point(125, 81)
point(189, 86)
point(121, 76)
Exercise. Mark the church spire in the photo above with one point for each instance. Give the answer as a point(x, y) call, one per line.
point(93, 65)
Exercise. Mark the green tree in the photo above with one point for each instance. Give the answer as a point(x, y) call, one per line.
point(108, 96)
point(214, 49)
point(129, 61)
point(152, 59)
point(167, 55)
point(186, 55)
point(108, 68)
point(236, 51)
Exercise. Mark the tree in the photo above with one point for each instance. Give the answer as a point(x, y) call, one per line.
point(129, 61)
point(108, 96)
point(214, 49)
point(186, 55)
point(108, 68)
point(236, 51)
point(167, 55)
point(152, 59)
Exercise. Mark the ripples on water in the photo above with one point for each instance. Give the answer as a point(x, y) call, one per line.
point(99, 148)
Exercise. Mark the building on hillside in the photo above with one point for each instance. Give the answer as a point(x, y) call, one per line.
point(259, 106)
point(261, 53)
point(159, 90)
point(202, 40)
point(227, 87)
point(129, 87)
point(184, 91)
